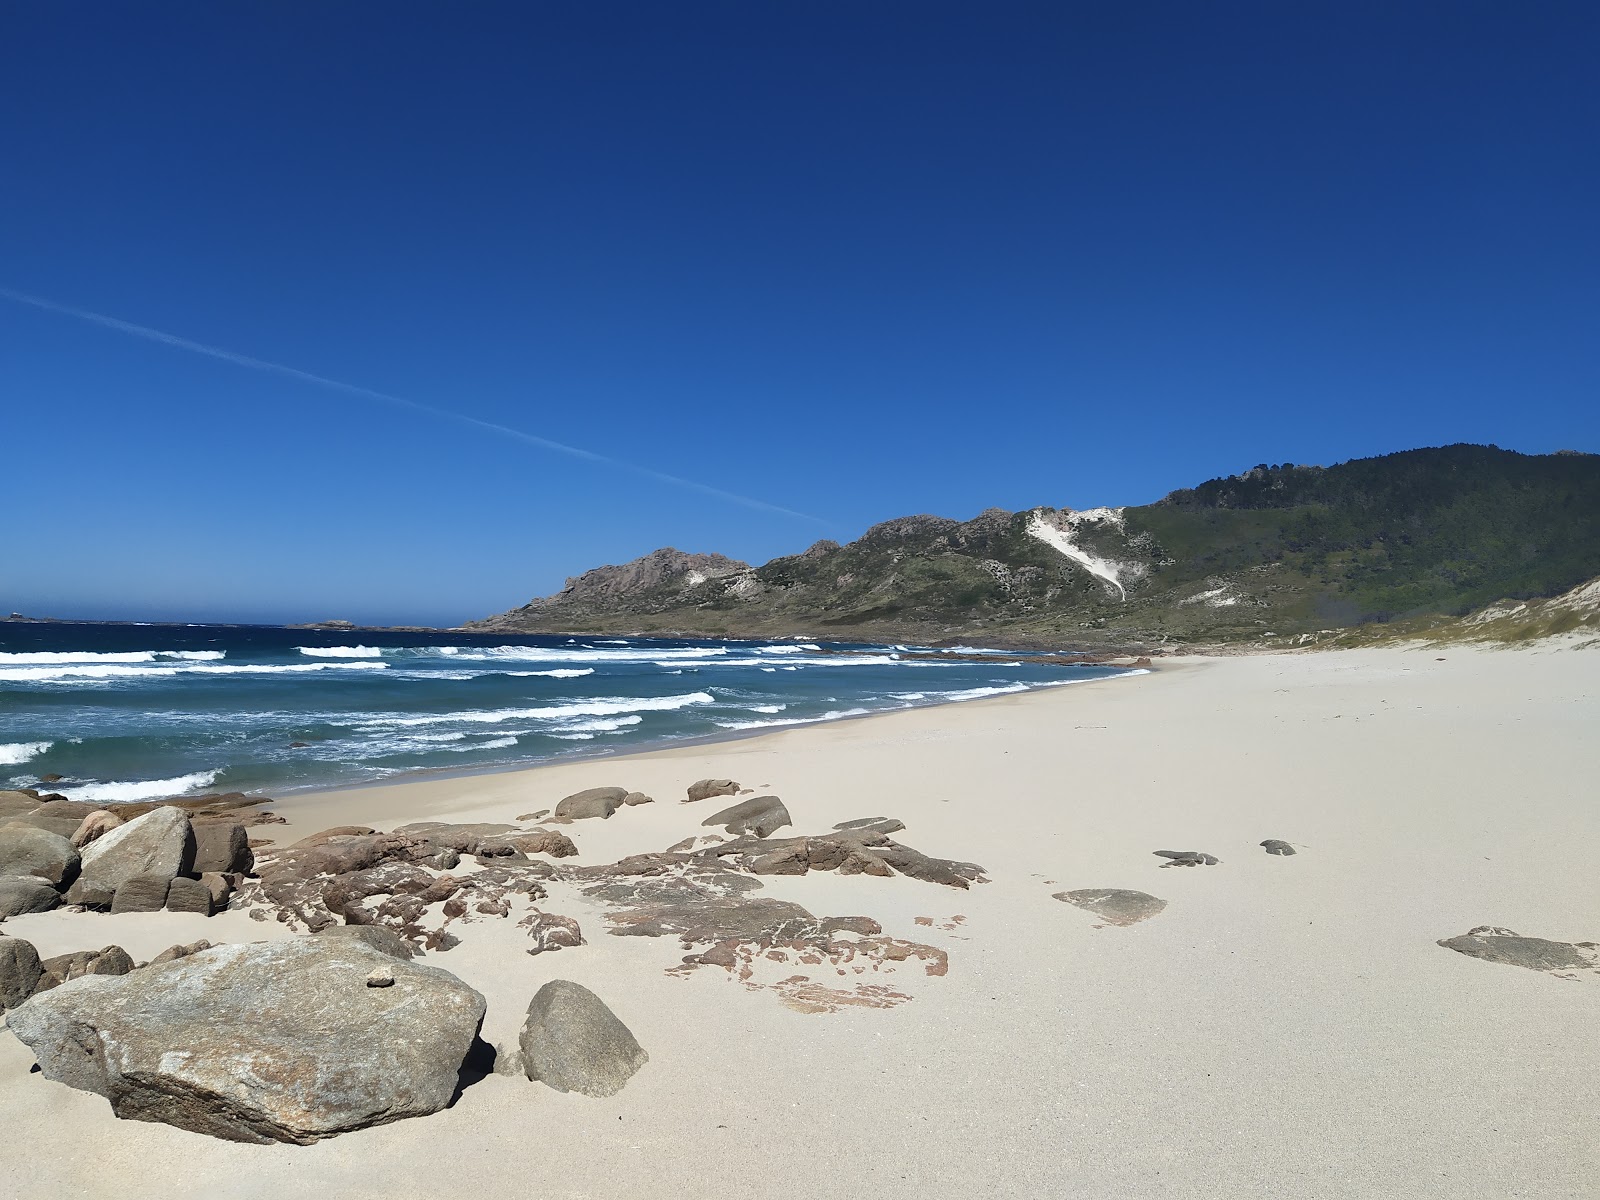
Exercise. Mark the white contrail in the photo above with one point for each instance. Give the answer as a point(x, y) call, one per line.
point(257, 364)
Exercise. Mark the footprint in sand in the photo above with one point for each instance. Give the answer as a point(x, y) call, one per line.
point(1187, 858)
point(1494, 944)
point(1114, 905)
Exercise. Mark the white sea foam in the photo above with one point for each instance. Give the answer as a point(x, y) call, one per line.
point(601, 707)
point(980, 692)
point(88, 671)
point(574, 737)
point(341, 651)
point(149, 789)
point(581, 654)
point(40, 657)
point(835, 715)
point(768, 708)
point(558, 673)
point(602, 724)
point(13, 753)
point(494, 744)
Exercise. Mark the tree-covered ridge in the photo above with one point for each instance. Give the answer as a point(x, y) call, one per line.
point(1277, 549)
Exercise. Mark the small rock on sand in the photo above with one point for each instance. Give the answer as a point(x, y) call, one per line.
point(1115, 906)
point(1274, 846)
point(760, 816)
point(704, 789)
point(1493, 944)
point(592, 802)
point(1187, 858)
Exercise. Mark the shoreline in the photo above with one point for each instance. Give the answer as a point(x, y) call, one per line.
point(668, 744)
point(1282, 1026)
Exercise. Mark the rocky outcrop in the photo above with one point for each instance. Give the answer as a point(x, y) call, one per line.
point(758, 816)
point(29, 850)
point(704, 789)
point(572, 1042)
point(274, 1041)
point(850, 852)
point(1113, 905)
point(26, 894)
point(591, 802)
point(158, 843)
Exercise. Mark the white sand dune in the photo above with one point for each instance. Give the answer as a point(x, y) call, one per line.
point(1287, 1027)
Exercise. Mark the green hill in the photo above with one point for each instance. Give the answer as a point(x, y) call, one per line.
point(1276, 550)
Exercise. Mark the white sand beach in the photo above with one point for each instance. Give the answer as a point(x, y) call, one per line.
point(1286, 1027)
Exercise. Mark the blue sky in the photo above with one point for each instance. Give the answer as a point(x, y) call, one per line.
point(848, 260)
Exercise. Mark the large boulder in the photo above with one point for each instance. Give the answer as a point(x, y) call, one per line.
point(704, 789)
point(26, 894)
point(270, 1041)
point(158, 843)
point(592, 802)
point(19, 971)
point(221, 846)
point(573, 1042)
point(29, 850)
point(379, 937)
point(759, 816)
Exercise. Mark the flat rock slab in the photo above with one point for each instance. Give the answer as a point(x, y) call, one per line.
point(760, 816)
point(1497, 945)
point(572, 1042)
point(264, 1042)
point(1115, 906)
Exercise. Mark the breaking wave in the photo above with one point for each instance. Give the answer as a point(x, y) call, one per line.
point(14, 753)
point(150, 789)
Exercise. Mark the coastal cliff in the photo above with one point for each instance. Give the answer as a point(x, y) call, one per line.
point(1279, 550)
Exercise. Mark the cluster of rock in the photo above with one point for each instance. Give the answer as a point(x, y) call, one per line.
point(294, 1041)
point(314, 1036)
point(55, 851)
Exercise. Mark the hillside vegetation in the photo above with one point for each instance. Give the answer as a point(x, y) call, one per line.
point(1276, 551)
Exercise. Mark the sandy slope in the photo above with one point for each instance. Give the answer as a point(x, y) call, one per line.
point(1287, 1027)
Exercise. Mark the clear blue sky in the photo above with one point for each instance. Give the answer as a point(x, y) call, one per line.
point(852, 260)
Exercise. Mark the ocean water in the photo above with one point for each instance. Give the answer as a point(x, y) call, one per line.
point(130, 712)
